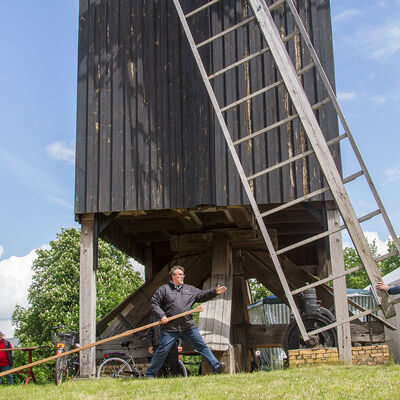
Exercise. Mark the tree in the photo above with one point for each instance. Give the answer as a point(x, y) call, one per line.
point(54, 293)
point(258, 290)
point(359, 279)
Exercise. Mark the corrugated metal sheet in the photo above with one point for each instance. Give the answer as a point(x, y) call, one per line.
point(146, 135)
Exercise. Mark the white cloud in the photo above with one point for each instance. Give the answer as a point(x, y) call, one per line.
point(61, 151)
point(379, 99)
point(61, 202)
point(382, 42)
point(29, 174)
point(382, 246)
point(346, 15)
point(393, 173)
point(15, 277)
point(343, 96)
point(1, 250)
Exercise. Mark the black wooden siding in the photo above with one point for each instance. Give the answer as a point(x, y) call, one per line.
point(146, 135)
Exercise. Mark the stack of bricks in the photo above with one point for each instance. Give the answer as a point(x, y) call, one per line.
point(371, 355)
point(315, 356)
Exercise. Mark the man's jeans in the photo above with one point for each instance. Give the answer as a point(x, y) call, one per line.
point(9, 378)
point(167, 340)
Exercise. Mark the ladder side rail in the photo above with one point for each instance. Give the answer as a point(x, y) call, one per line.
point(343, 121)
point(318, 143)
point(241, 172)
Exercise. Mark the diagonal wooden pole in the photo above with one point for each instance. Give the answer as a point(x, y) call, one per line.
point(88, 346)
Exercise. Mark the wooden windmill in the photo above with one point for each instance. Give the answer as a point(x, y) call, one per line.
point(208, 136)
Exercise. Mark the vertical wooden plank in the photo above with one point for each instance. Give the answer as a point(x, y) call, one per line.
point(142, 121)
point(221, 178)
point(240, 316)
point(165, 132)
point(105, 111)
point(82, 108)
point(93, 112)
point(159, 71)
point(258, 117)
point(245, 150)
point(285, 110)
point(128, 78)
point(339, 287)
point(322, 33)
point(230, 95)
point(87, 295)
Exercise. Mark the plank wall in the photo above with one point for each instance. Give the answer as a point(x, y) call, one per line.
point(146, 135)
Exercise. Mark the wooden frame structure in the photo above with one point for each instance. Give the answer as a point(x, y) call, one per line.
point(154, 178)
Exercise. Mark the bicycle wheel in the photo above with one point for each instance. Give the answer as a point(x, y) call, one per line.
point(114, 368)
point(182, 369)
point(73, 367)
point(59, 371)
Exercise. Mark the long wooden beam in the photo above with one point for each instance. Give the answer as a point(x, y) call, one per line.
point(89, 346)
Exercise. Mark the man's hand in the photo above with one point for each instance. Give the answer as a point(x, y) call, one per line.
point(382, 286)
point(164, 320)
point(151, 349)
point(221, 289)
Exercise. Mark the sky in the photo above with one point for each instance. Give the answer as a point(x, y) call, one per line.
point(38, 108)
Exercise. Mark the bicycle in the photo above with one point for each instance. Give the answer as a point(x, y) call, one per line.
point(66, 367)
point(118, 365)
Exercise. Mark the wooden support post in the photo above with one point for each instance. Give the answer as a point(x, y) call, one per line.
point(339, 287)
point(87, 294)
point(240, 316)
point(148, 264)
point(215, 321)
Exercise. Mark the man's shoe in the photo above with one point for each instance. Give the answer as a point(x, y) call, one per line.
point(220, 368)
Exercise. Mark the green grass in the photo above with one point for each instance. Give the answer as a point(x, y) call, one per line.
point(325, 382)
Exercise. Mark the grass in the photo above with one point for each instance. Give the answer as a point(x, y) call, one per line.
point(325, 382)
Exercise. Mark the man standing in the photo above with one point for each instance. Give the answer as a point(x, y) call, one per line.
point(6, 359)
point(173, 298)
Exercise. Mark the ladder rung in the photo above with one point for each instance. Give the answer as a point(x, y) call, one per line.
point(308, 196)
point(293, 159)
point(266, 89)
point(335, 324)
point(347, 272)
point(250, 96)
point(326, 233)
point(328, 279)
point(275, 5)
point(250, 57)
point(279, 123)
point(197, 10)
point(226, 31)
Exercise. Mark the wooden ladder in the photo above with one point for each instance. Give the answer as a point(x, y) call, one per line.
point(290, 78)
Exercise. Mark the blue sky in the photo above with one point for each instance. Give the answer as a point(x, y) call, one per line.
point(38, 107)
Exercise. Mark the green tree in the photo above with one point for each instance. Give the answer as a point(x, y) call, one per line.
point(258, 290)
point(54, 293)
point(359, 279)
